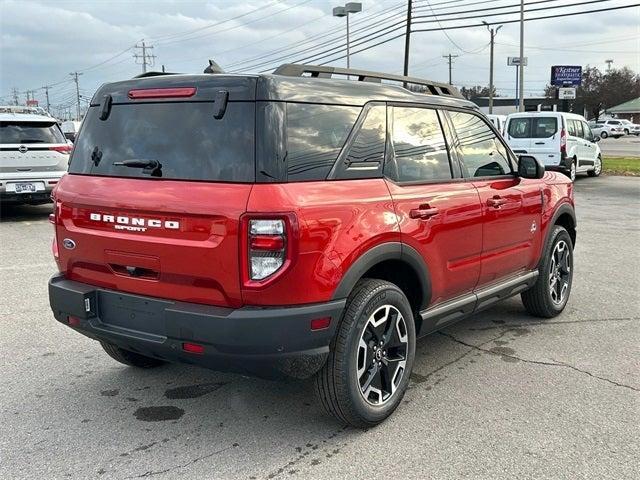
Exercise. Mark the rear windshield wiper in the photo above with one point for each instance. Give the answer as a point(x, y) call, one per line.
point(153, 167)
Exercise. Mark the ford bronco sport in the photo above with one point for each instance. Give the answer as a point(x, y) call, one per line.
point(299, 224)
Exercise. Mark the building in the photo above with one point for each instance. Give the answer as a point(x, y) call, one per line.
point(629, 110)
point(507, 105)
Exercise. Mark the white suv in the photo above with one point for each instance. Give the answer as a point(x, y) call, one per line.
point(630, 128)
point(561, 141)
point(34, 154)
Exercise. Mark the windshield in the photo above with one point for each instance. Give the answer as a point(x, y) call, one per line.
point(30, 132)
point(179, 140)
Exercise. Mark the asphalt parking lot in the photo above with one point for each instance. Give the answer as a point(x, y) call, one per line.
point(501, 395)
point(627, 146)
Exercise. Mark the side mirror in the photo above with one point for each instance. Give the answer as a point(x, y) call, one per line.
point(530, 167)
point(595, 138)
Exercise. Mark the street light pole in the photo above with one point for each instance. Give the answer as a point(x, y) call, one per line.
point(351, 7)
point(521, 66)
point(493, 35)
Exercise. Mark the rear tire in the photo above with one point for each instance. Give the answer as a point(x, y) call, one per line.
point(363, 380)
point(548, 297)
point(572, 173)
point(597, 168)
point(604, 134)
point(128, 358)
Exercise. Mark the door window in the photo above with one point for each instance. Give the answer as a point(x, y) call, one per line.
point(586, 131)
point(480, 151)
point(419, 146)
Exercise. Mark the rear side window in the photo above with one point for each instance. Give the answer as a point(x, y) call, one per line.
point(533, 127)
point(315, 137)
point(481, 152)
point(30, 132)
point(183, 137)
point(419, 147)
point(365, 156)
point(571, 128)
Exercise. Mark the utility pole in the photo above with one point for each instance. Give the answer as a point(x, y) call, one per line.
point(46, 92)
point(521, 66)
point(450, 58)
point(147, 58)
point(14, 94)
point(407, 39)
point(608, 62)
point(75, 77)
point(493, 33)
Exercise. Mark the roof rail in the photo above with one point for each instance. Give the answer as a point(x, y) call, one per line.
point(321, 71)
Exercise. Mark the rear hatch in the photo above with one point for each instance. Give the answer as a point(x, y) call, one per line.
point(32, 146)
point(168, 228)
point(538, 136)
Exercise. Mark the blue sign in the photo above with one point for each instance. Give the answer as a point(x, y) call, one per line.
point(566, 76)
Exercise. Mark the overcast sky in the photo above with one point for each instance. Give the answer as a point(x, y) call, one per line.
point(42, 41)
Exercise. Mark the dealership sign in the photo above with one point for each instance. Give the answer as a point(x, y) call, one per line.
point(567, 93)
point(566, 76)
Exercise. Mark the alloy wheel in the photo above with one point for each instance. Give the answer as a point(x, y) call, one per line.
point(382, 355)
point(572, 171)
point(560, 272)
point(598, 166)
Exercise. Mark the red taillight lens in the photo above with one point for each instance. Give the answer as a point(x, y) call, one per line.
point(193, 348)
point(162, 93)
point(267, 242)
point(62, 149)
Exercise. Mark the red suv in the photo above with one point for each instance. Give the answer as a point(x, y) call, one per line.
point(299, 224)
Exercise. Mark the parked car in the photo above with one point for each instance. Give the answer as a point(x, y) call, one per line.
point(300, 226)
point(563, 142)
point(605, 130)
point(630, 128)
point(70, 129)
point(33, 155)
point(498, 121)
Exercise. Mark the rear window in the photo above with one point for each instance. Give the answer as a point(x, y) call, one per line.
point(537, 127)
point(30, 132)
point(315, 137)
point(184, 138)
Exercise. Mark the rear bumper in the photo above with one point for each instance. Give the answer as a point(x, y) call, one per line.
point(260, 341)
point(44, 181)
point(564, 166)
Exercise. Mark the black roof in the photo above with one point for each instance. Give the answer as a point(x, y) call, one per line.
point(291, 87)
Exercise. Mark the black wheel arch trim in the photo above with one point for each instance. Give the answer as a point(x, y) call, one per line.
point(380, 253)
point(562, 209)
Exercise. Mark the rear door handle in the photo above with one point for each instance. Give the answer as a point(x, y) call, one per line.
point(540, 143)
point(423, 212)
point(496, 202)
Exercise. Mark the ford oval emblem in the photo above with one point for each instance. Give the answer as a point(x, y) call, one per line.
point(23, 149)
point(68, 244)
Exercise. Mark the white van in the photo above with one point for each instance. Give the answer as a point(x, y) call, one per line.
point(561, 141)
point(498, 121)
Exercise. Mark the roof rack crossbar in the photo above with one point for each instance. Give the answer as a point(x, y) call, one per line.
point(322, 71)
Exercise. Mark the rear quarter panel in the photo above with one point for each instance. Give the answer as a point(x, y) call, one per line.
point(557, 191)
point(338, 222)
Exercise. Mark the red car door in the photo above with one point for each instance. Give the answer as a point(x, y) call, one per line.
point(511, 206)
point(439, 213)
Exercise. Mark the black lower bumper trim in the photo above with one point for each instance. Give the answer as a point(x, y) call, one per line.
point(254, 340)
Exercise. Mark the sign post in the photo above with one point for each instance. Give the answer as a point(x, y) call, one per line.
point(515, 62)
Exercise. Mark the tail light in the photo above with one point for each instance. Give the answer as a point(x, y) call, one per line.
point(66, 149)
point(563, 142)
point(268, 248)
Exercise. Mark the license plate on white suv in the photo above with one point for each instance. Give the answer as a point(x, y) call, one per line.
point(25, 187)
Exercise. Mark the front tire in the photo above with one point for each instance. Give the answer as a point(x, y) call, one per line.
point(129, 358)
point(371, 356)
point(548, 297)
